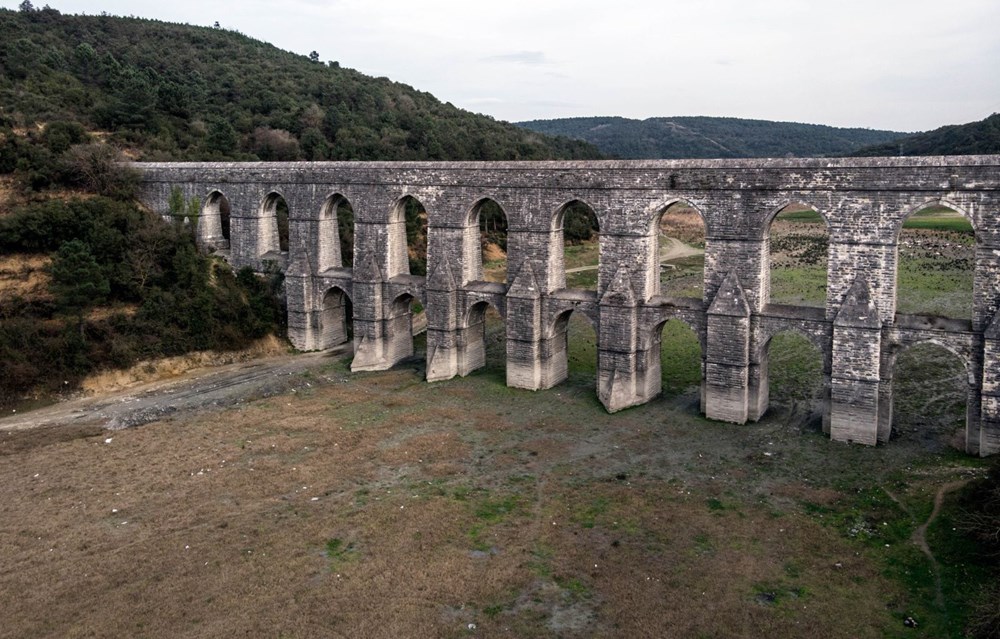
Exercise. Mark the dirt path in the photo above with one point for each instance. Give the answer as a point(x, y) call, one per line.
point(670, 249)
point(197, 389)
point(920, 537)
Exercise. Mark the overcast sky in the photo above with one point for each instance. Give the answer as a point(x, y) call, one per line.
point(905, 65)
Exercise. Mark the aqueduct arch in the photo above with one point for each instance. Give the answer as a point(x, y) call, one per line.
point(863, 200)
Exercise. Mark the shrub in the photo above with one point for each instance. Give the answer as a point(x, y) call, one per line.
point(98, 168)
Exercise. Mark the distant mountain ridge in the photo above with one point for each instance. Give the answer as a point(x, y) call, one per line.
point(974, 138)
point(710, 137)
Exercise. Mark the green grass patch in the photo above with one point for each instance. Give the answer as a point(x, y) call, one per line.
point(939, 218)
point(776, 594)
point(795, 370)
point(574, 586)
point(588, 515)
point(799, 285)
point(935, 287)
point(586, 280)
point(680, 357)
point(683, 277)
point(586, 254)
point(807, 216)
point(582, 348)
point(339, 551)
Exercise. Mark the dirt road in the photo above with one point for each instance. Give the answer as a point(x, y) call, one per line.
point(195, 390)
point(670, 249)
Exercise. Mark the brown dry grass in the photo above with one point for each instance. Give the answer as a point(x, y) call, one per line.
point(684, 224)
point(167, 367)
point(24, 276)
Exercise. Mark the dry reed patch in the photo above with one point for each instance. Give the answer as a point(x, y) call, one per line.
point(492, 252)
point(684, 224)
point(169, 367)
point(24, 276)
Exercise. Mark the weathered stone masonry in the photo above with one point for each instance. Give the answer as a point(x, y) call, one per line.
point(864, 202)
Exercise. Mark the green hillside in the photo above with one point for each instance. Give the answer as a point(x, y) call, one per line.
point(705, 137)
point(975, 138)
point(179, 92)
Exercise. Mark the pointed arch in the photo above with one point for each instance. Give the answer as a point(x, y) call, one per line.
point(677, 259)
point(336, 229)
point(677, 347)
point(797, 241)
point(789, 369)
point(406, 238)
point(272, 224)
point(932, 395)
point(484, 338)
point(575, 223)
point(935, 260)
point(573, 348)
point(485, 243)
point(214, 221)
point(336, 318)
point(930, 205)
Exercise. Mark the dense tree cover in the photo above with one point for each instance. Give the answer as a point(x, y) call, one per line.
point(975, 138)
point(706, 137)
point(158, 295)
point(179, 92)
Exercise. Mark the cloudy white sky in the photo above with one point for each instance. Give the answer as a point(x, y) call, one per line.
point(894, 64)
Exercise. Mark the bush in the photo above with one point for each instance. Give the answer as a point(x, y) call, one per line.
point(107, 249)
point(98, 168)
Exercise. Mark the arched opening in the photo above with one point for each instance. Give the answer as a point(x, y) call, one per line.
point(789, 380)
point(213, 223)
point(405, 322)
point(407, 240)
point(930, 391)
point(936, 258)
point(336, 233)
point(680, 251)
point(336, 319)
point(680, 359)
point(798, 244)
point(486, 243)
point(574, 349)
point(576, 256)
point(273, 224)
point(486, 341)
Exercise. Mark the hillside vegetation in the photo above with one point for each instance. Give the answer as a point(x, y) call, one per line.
point(974, 138)
point(90, 283)
point(706, 137)
point(180, 92)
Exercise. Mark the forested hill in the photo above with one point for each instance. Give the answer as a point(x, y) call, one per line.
point(975, 138)
point(170, 91)
point(707, 137)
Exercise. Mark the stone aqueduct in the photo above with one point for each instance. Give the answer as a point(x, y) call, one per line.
point(864, 203)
